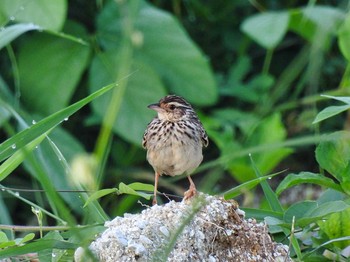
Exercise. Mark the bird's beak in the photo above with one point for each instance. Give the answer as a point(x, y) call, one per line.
point(155, 107)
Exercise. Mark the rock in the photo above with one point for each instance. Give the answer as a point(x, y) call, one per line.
point(205, 228)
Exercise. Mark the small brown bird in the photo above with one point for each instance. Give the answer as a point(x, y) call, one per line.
point(174, 140)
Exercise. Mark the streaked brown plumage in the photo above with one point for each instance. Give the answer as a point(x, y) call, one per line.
point(174, 140)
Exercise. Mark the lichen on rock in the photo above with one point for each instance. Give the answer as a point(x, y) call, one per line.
point(206, 228)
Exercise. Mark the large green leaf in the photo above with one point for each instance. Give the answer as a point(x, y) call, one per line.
point(306, 177)
point(336, 226)
point(267, 29)
point(333, 155)
point(306, 212)
point(7, 34)
point(48, 84)
point(45, 13)
point(161, 42)
point(316, 22)
point(144, 88)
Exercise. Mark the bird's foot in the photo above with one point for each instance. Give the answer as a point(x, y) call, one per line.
point(191, 192)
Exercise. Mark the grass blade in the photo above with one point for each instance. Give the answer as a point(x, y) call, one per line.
point(18, 141)
point(276, 206)
point(271, 197)
point(17, 158)
point(246, 186)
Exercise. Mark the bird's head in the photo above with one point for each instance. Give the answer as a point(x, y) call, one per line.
point(172, 108)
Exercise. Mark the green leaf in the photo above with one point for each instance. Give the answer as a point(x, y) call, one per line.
point(325, 244)
point(45, 13)
point(316, 23)
point(337, 226)
point(6, 244)
point(101, 193)
point(144, 87)
point(267, 29)
point(330, 195)
point(36, 246)
point(344, 99)
point(48, 84)
point(267, 160)
point(306, 177)
point(298, 210)
point(3, 237)
point(246, 186)
point(125, 189)
point(261, 214)
point(253, 91)
point(59, 150)
point(344, 37)
point(329, 207)
point(276, 224)
point(27, 238)
point(141, 187)
point(26, 136)
point(276, 206)
point(9, 33)
point(333, 154)
point(243, 120)
point(18, 157)
point(271, 197)
point(306, 212)
point(173, 55)
point(329, 112)
point(333, 110)
point(131, 189)
point(238, 72)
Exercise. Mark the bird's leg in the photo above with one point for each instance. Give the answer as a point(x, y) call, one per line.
point(154, 202)
point(191, 191)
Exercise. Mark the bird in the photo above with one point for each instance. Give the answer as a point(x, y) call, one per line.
point(174, 140)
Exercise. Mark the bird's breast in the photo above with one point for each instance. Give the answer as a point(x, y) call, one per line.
point(174, 149)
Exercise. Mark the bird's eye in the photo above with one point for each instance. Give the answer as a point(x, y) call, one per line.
point(172, 107)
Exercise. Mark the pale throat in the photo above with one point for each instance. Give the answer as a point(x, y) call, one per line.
point(169, 117)
point(163, 117)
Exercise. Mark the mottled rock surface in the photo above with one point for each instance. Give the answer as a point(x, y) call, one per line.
point(211, 229)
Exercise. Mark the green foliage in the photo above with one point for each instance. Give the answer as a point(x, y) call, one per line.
point(306, 177)
point(344, 37)
point(76, 80)
point(132, 189)
point(267, 29)
point(5, 242)
point(9, 33)
point(59, 61)
point(332, 110)
point(47, 14)
point(336, 226)
point(238, 190)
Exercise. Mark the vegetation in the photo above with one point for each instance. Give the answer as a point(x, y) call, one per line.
point(77, 76)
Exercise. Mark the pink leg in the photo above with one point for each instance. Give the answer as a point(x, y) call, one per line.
point(154, 202)
point(191, 191)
